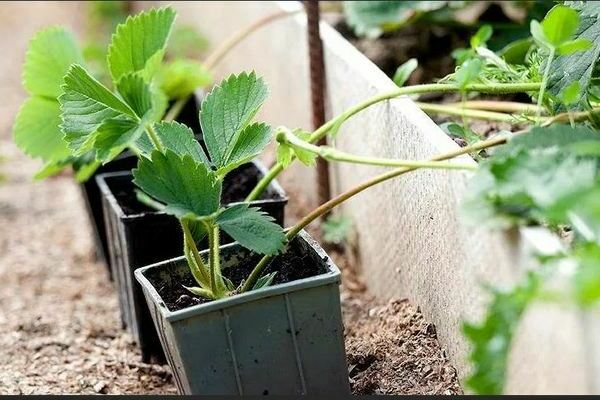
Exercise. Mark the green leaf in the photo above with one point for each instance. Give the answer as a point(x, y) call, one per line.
point(36, 130)
point(180, 139)
point(226, 111)
point(115, 135)
point(538, 33)
point(264, 281)
point(483, 34)
point(404, 71)
point(179, 78)
point(560, 24)
point(85, 105)
point(587, 276)
point(573, 46)
point(186, 186)
point(252, 228)
point(373, 18)
point(251, 141)
point(468, 72)
point(571, 93)
point(491, 338)
point(49, 55)
point(139, 43)
point(136, 93)
point(578, 66)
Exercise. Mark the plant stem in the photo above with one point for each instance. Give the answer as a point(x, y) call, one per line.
point(466, 112)
point(214, 259)
point(500, 106)
point(148, 201)
point(176, 108)
point(542, 91)
point(220, 52)
point(154, 138)
point(328, 206)
point(200, 273)
point(500, 88)
point(330, 153)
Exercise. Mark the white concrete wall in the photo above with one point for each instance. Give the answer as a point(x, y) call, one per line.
point(413, 242)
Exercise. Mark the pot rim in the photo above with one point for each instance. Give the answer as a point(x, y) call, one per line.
point(332, 276)
point(107, 192)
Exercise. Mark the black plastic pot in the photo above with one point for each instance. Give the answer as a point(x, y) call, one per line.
point(138, 236)
point(125, 162)
point(286, 339)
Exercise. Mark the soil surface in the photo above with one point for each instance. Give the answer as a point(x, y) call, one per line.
point(289, 266)
point(60, 330)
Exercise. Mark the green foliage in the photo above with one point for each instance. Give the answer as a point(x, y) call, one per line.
point(372, 18)
point(404, 71)
point(491, 338)
point(587, 276)
point(186, 186)
point(578, 66)
point(252, 228)
point(139, 44)
point(189, 182)
point(336, 229)
point(523, 181)
point(226, 115)
point(286, 153)
point(36, 128)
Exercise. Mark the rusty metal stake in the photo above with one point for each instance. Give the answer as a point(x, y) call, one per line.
point(317, 91)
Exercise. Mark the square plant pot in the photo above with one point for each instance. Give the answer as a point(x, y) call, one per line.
point(125, 162)
point(139, 236)
point(285, 339)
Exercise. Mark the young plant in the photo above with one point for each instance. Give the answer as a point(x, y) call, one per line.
point(189, 181)
point(73, 119)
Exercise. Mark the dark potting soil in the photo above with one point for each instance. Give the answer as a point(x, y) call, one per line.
point(292, 265)
point(237, 185)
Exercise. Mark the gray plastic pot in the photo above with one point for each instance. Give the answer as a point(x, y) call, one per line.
point(286, 339)
point(142, 238)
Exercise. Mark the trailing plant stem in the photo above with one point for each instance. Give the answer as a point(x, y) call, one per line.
point(542, 91)
point(500, 88)
point(466, 112)
point(154, 138)
point(328, 206)
point(148, 201)
point(330, 153)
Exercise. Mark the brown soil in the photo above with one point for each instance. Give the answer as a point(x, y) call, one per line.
point(289, 266)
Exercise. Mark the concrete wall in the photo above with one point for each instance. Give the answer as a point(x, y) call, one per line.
point(412, 240)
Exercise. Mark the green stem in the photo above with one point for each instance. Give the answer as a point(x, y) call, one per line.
point(176, 108)
point(500, 88)
point(500, 106)
point(199, 273)
point(149, 201)
point(215, 260)
point(542, 91)
point(154, 138)
point(332, 154)
point(328, 206)
point(466, 112)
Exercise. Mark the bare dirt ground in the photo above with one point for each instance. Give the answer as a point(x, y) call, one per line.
point(59, 325)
